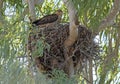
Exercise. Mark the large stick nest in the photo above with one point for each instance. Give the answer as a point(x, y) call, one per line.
point(53, 56)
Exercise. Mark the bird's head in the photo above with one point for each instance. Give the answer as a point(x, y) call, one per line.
point(59, 12)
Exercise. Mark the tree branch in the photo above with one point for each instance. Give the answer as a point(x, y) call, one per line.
point(111, 16)
point(1, 6)
point(32, 9)
point(73, 28)
point(73, 34)
point(90, 71)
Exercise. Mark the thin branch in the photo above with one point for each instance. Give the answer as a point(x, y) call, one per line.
point(1, 7)
point(85, 78)
point(90, 71)
point(110, 17)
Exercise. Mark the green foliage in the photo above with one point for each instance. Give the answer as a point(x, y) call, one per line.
point(14, 25)
point(59, 77)
point(91, 12)
point(41, 45)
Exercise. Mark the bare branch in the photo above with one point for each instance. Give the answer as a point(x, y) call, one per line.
point(111, 16)
point(90, 71)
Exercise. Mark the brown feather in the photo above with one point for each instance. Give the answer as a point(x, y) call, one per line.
point(46, 19)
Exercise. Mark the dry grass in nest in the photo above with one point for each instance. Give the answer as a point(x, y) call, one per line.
point(53, 57)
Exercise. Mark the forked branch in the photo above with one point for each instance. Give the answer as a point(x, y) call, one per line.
point(109, 20)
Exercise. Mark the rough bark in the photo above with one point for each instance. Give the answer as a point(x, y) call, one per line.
point(109, 20)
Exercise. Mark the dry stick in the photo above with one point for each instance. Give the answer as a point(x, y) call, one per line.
point(110, 17)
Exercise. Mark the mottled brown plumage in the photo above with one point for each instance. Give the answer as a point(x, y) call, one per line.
point(48, 19)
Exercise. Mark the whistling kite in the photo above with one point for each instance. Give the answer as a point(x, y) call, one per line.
point(49, 19)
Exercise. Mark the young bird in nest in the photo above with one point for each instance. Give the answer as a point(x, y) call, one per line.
point(48, 20)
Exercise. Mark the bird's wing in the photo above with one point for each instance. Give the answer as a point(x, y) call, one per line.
point(46, 19)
